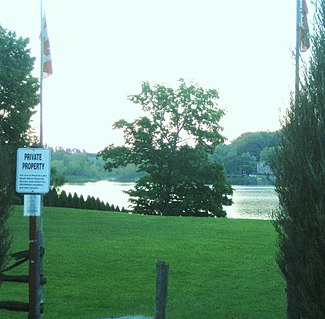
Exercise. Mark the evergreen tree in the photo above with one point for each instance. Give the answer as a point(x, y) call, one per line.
point(63, 199)
point(89, 203)
point(51, 198)
point(82, 202)
point(102, 206)
point(75, 201)
point(98, 204)
point(70, 200)
point(300, 169)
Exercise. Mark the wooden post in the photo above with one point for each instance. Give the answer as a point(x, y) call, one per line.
point(162, 269)
point(34, 276)
point(41, 280)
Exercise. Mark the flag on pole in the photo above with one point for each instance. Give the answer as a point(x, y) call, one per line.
point(46, 53)
point(304, 30)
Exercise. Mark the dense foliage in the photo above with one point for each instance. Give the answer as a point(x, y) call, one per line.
point(61, 199)
point(236, 157)
point(242, 155)
point(171, 144)
point(78, 165)
point(300, 171)
point(18, 89)
point(18, 97)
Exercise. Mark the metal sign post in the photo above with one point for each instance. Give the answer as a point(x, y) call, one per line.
point(33, 179)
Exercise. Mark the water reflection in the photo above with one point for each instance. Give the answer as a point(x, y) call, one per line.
point(106, 191)
point(253, 202)
point(257, 202)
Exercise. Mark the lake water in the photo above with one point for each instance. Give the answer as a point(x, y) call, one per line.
point(251, 202)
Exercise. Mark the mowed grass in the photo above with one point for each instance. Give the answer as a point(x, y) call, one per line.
point(101, 264)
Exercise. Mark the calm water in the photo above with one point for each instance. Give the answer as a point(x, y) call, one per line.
point(257, 202)
point(106, 191)
point(253, 202)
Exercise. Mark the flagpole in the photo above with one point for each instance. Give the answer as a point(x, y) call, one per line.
point(41, 224)
point(36, 237)
point(297, 56)
point(41, 76)
point(41, 100)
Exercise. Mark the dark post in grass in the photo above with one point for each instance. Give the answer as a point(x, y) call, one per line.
point(33, 260)
point(34, 255)
point(162, 269)
point(35, 307)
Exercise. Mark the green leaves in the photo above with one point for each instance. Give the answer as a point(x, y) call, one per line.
point(115, 157)
point(300, 170)
point(18, 97)
point(18, 89)
point(187, 115)
point(171, 145)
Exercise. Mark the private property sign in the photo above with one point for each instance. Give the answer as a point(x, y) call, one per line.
point(33, 170)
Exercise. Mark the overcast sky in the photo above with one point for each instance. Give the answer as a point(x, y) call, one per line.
point(103, 49)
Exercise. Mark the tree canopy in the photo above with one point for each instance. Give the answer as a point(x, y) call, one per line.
point(18, 97)
point(18, 89)
point(172, 146)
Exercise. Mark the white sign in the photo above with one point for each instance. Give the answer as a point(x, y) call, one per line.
point(33, 170)
point(32, 205)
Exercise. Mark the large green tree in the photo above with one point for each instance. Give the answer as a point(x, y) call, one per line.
point(18, 89)
point(300, 171)
point(172, 145)
point(18, 97)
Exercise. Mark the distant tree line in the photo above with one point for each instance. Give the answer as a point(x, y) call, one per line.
point(238, 158)
point(78, 165)
point(242, 155)
point(61, 199)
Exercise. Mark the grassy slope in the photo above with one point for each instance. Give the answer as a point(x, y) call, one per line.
point(103, 264)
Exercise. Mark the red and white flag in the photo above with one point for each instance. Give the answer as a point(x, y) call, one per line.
point(46, 59)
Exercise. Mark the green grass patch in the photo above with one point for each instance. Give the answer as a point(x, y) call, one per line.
point(101, 264)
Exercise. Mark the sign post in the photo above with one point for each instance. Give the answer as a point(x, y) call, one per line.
point(32, 179)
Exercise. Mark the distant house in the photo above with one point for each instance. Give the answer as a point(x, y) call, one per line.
point(263, 168)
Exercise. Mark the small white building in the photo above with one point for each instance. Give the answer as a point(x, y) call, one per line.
point(263, 168)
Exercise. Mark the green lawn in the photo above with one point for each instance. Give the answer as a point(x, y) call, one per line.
point(101, 264)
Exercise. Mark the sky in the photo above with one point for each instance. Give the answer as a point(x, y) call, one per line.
point(103, 49)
